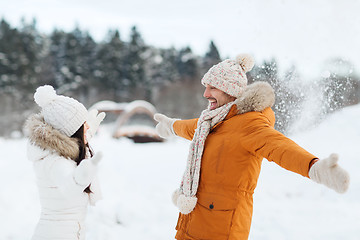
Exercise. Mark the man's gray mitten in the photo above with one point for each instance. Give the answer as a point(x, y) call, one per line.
point(165, 125)
point(329, 173)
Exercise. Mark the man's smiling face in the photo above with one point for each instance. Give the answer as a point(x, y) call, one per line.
point(216, 97)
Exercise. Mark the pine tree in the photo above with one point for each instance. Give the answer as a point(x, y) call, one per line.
point(211, 58)
point(6, 70)
point(109, 70)
point(57, 58)
point(134, 71)
point(32, 50)
point(187, 65)
point(167, 70)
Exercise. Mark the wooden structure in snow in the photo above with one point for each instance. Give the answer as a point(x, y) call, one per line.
point(135, 120)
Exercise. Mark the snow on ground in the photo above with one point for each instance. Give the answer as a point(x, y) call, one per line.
point(138, 180)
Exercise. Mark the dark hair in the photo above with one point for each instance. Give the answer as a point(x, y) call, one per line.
point(79, 135)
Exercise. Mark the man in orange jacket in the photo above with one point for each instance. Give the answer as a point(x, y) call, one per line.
point(228, 142)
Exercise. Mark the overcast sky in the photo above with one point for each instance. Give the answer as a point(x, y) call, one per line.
point(300, 32)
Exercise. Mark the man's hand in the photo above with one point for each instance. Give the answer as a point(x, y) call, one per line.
point(329, 173)
point(165, 125)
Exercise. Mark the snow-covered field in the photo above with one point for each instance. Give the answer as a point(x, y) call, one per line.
point(138, 180)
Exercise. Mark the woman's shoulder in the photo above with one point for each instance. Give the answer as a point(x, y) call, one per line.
point(37, 154)
point(47, 138)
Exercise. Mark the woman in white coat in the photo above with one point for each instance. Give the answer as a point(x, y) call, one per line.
point(64, 164)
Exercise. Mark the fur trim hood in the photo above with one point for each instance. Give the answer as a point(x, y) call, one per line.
point(44, 136)
point(257, 97)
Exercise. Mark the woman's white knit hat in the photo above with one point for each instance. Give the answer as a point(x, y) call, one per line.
point(230, 75)
point(63, 113)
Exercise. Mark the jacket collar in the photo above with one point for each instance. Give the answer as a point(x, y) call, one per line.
point(257, 96)
point(44, 136)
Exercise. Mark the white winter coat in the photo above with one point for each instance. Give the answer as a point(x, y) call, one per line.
point(63, 201)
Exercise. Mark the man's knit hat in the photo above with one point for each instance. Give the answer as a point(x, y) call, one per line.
point(230, 75)
point(62, 113)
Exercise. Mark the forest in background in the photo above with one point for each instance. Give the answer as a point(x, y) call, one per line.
point(169, 78)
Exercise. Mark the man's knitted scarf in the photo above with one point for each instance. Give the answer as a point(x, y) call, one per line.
point(185, 197)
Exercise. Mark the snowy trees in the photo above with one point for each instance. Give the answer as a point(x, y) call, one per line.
point(124, 71)
point(20, 56)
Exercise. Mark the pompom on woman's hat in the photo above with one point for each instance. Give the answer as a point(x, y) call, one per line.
point(230, 75)
point(63, 113)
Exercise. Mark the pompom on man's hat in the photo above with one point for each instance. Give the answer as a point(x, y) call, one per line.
point(230, 75)
point(63, 113)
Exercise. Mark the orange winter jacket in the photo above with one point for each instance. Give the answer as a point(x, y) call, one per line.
point(231, 164)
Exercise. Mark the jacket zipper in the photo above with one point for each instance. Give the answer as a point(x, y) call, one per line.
point(78, 234)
